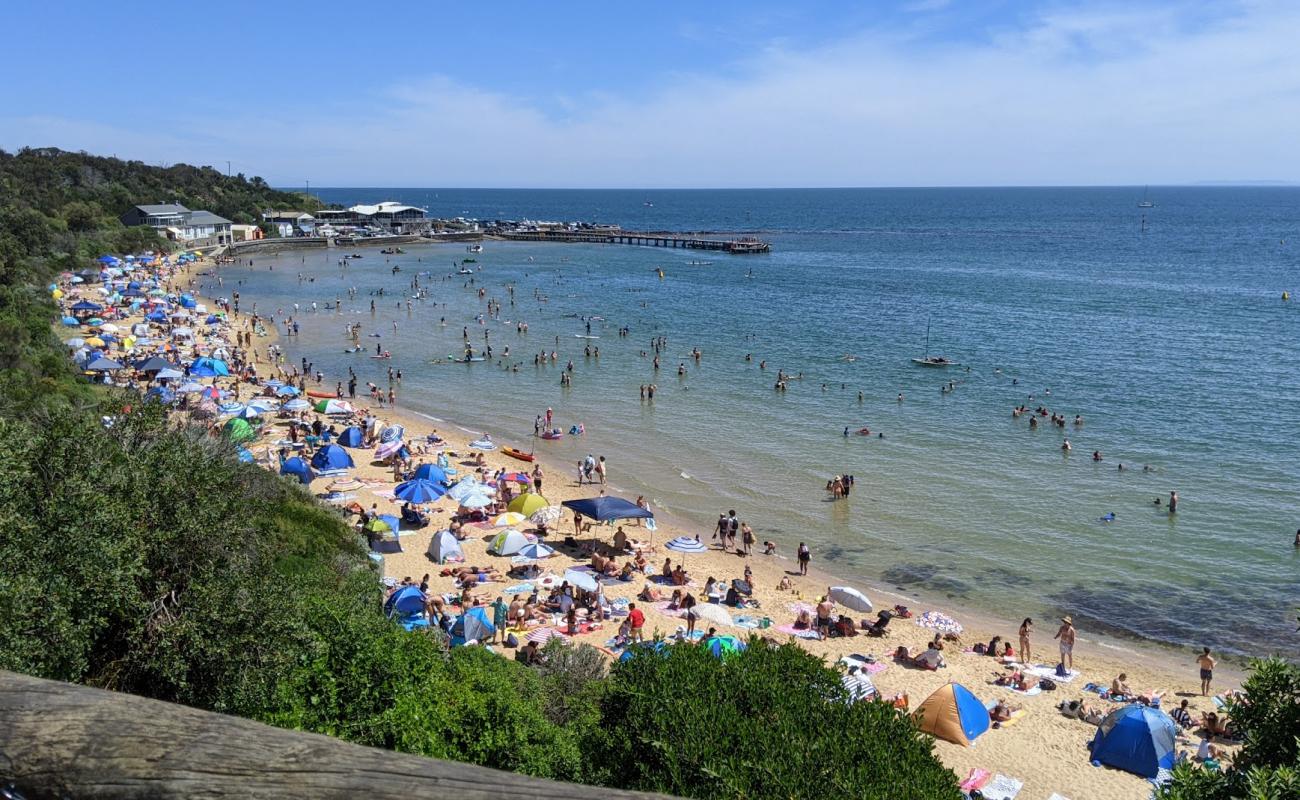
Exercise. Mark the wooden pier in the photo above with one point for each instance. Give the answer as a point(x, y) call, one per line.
point(742, 246)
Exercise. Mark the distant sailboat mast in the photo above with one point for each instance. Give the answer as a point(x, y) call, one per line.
point(1145, 202)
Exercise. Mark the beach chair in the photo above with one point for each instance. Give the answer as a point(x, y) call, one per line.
point(880, 626)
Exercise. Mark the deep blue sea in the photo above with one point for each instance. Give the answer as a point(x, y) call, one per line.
point(1173, 343)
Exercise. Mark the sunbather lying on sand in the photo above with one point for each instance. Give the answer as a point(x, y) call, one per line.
point(1001, 712)
point(649, 593)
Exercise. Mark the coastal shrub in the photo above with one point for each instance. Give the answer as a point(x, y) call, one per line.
point(771, 722)
point(1268, 765)
point(572, 677)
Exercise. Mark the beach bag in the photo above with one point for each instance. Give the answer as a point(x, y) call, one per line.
point(979, 649)
point(1061, 671)
point(1047, 684)
point(512, 640)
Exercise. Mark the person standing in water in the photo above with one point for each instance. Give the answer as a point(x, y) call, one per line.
point(1173, 502)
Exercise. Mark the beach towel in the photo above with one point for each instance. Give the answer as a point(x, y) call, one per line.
point(806, 633)
point(747, 622)
point(519, 588)
point(869, 667)
point(1034, 690)
point(975, 779)
point(1056, 796)
point(1045, 671)
point(663, 608)
point(796, 608)
point(1002, 788)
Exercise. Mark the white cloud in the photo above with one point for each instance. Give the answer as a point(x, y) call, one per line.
point(1079, 97)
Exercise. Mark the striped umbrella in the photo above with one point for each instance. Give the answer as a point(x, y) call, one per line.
point(509, 519)
point(544, 635)
point(939, 622)
point(686, 544)
point(535, 550)
point(546, 516)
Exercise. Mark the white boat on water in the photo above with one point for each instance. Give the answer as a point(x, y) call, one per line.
point(1145, 202)
point(929, 360)
point(475, 248)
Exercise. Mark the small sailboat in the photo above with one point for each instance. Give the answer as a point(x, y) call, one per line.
point(929, 360)
point(1145, 202)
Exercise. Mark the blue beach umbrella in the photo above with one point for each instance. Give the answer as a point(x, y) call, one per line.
point(419, 491)
point(603, 509)
point(245, 455)
point(161, 393)
point(536, 550)
point(686, 544)
point(287, 391)
point(430, 472)
point(296, 405)
point(721, 646)
point(103, 364)
point(71, 322)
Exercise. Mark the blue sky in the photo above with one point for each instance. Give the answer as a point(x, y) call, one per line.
point(667, 94)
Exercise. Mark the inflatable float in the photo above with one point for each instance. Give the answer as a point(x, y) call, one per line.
point(554, 433)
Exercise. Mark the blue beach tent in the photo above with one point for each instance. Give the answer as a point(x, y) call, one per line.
point(473, 624)
point(298, 468)
point(331, 457)
point(606, 508)
point(1137, 739)
point(352, 437)
point(209, 368)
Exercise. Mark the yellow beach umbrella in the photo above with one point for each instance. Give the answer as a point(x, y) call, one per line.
point(57, 294)
point(527, 504)
point(95, 341)
point(509, 519)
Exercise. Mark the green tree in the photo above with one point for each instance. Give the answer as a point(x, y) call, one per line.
point(1268, 764)
point(771, 722)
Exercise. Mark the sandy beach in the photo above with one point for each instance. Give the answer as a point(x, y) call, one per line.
point(1040, 747)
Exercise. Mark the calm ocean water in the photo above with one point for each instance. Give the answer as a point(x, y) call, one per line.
point(1174, 345)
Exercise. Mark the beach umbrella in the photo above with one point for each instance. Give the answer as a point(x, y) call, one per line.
point(392, 433)
point(245, 455)
point(296, 405)
point(168, 374)
point(543, 635)
point(536, 550)
point(334, 407)
point(190, 387)
point(264, 403)
point(430, 472)
point(509, 520)
point(249, 412)
point(546, 516)
point(685, 544)
point(583, 580)
point(287, 391)
point(103, 364)
point(527, 504)
point(345, 485)
point(713, 613)
point(75, 343)
point(161, 393)
point(607, 507)
point(273, 383)
point(464, 488)
point(522, 478)
point(418, 491)
point(476, 501)
point(849, 598)
point(71, 322)
point(109, 327)
point(95, 341)
point(212, 393)
point(721, 646)
point(388, 449)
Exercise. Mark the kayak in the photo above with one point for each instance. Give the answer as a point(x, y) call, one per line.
point(519, 454)
point(322, 395)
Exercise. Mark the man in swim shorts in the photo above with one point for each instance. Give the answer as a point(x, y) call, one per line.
point(1066, 634)
point(1206, 663)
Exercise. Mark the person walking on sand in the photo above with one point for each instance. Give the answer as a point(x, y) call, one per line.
point(805, 555)
point(636, 621)
point(1066, 634)
point(1206, 663)
point(1026, 628)
point(600, 470)
point(499, 617)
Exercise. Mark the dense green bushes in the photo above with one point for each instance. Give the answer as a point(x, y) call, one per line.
point(1268, 765)
point(768, 722)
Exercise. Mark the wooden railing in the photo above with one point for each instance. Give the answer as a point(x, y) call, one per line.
point(62, 740)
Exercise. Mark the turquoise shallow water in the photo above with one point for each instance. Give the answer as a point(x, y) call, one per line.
point(1174, 345)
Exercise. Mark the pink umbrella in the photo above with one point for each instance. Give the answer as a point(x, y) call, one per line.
point(388, 448)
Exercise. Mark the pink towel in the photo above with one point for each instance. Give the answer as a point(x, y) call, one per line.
point(975, 779)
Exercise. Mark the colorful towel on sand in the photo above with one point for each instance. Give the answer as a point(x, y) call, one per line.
point(663, 608)
point(1002, 788)
point(800, 607)
point(806, 633)
point(975, 779)
point(1030, 692)
point(747, 622)
point(869, 667)
point(519, 588)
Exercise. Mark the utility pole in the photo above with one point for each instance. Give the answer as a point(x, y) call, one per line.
point(227, 169)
